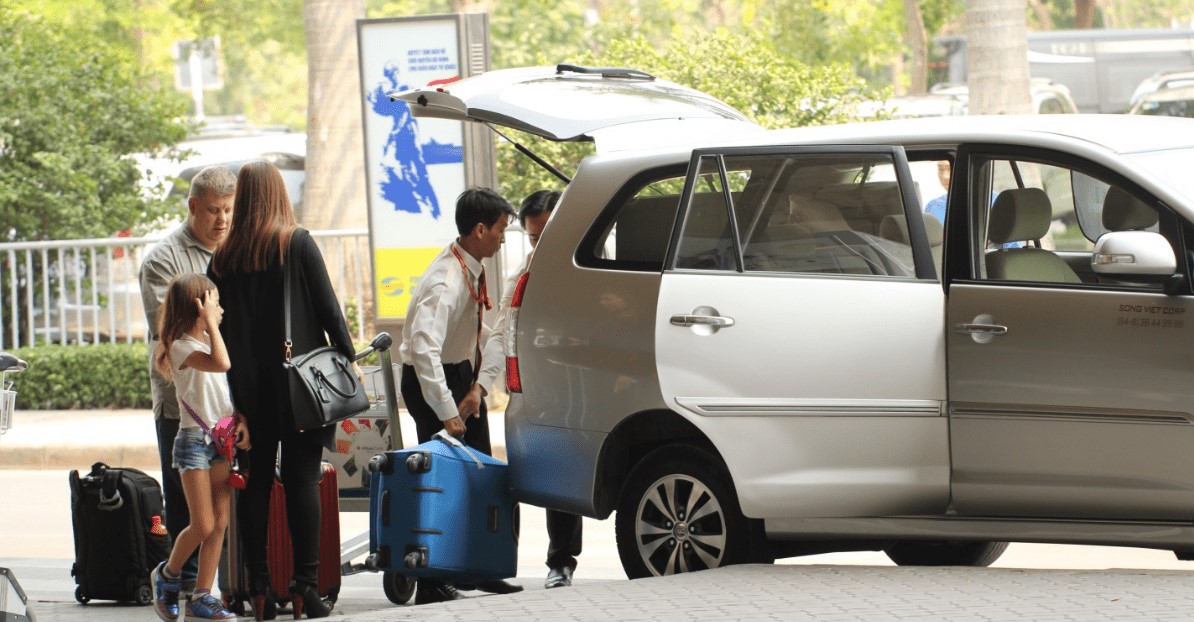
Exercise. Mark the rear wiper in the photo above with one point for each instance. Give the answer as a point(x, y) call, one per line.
point(530, 154)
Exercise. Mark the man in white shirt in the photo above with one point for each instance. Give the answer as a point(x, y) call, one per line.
point(442, 338)
point(563, 529)
point(186, 249)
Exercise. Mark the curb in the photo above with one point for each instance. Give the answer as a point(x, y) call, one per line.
point(76, 457)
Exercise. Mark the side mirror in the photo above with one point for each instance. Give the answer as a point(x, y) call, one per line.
point(1133, 253)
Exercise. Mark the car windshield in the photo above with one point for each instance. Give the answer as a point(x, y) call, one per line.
point(1171, 166)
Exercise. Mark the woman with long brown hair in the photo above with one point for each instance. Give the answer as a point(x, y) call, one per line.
point(248, 269)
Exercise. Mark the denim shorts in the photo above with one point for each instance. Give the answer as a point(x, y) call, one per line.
point(193, 450)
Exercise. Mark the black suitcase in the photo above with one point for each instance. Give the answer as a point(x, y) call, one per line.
point(120, 533)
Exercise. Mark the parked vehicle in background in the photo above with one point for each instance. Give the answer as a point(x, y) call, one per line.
point(1100, 66)
point(1162, 80)
point(951, 99)
point(1168, 102)
point(753, 344)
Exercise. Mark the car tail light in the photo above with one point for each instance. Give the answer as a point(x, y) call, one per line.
point(513, 375)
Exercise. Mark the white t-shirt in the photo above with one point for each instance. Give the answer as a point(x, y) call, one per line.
point(205, 392)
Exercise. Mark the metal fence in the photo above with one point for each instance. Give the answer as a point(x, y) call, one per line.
point(87, 291)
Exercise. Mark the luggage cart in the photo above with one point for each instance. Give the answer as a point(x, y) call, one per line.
point(357, 440)
point(9, 364)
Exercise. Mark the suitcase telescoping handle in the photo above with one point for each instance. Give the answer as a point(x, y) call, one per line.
point(455, 442)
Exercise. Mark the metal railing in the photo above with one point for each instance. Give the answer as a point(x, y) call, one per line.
point(87, 291)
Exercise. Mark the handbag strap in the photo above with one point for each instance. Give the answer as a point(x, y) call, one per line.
point(198, 419)
point(287, 273)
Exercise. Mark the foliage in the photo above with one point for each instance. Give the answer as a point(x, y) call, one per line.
point(91, 376)
point(745, 71)
point(71, 111)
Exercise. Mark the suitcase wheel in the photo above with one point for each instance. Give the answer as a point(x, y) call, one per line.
point(144, 595)
point(398, 588)
point(416, 558)
point(418, 462)
point(379, 463)
point(81, 596)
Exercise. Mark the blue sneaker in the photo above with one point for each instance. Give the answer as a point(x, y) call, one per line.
point(207, 607)
point(165, 594)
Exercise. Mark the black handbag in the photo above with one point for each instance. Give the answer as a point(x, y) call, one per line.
point(323, 386)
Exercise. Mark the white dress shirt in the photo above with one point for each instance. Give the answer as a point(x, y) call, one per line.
point(441, 326)
point(494, 359)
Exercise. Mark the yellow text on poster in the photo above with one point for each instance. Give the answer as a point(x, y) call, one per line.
point(398, 271)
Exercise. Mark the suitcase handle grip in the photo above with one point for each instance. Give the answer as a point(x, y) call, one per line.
point(455, 442)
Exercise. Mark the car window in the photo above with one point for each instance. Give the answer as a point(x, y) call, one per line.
point(1038, 221)
point(796, 213)
point(634, 230)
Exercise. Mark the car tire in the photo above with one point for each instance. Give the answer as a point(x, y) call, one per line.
point(654, 530)
point(945, 553)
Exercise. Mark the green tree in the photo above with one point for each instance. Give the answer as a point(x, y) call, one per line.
point(745, 71)
point(71, 113)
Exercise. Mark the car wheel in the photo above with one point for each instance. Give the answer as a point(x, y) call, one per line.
point(945, 553)
point(679, 513)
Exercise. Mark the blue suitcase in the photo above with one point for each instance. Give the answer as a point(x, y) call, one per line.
point(442, 510)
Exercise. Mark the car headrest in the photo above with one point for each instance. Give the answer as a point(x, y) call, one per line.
point(1124, 212)
point(896, 228)
point(1020, 214)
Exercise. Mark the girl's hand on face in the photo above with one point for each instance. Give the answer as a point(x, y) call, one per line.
point(209, 307)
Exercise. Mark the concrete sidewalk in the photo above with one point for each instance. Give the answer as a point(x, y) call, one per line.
point(75, 439)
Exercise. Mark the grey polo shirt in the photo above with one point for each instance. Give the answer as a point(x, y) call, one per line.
point(180, 252)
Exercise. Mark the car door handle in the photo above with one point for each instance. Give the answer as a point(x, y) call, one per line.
point(981, 329)
point(715, 321)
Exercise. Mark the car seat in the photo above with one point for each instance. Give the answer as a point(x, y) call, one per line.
point(1124, 212)
point(1023, 215)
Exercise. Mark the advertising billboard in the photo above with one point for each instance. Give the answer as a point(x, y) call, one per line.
point(415, 168)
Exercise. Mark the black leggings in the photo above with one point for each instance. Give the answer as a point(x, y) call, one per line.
point(299, 471)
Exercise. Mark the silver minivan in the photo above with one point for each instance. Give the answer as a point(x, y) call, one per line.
point(755, 344)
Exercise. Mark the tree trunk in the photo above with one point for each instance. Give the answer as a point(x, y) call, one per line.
point(997, 47)
point(918, 46)
point(334, 190)
point(1084, 11)
point(1041, 10)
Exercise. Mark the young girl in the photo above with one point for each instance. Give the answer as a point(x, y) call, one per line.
point(191, 352)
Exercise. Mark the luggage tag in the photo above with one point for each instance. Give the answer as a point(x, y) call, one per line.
point(452, 440)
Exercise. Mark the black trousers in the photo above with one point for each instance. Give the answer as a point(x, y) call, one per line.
point(563, 539)
point(178, 516)
point(299, 469)
point(427, 423)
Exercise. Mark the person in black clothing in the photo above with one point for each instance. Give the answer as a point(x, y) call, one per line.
point(248, 270)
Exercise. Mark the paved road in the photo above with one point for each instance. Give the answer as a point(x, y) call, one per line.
point(1101, 583)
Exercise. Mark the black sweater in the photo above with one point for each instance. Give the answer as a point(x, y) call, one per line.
point(254, 332)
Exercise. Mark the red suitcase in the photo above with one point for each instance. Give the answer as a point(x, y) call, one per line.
point(234, 579)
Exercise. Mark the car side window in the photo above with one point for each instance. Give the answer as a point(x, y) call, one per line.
point(817, 213)
point(634, 231)
point(1038, 221)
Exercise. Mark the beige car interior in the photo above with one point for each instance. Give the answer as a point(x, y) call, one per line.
point(1024, 215)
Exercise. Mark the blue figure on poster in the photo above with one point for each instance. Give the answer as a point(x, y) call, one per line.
point(405, 182)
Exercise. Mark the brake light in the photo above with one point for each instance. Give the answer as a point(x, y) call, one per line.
point(513, 375)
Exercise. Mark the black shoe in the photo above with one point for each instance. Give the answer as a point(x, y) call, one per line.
point(304, 598)
point(265, 606)
point(426, 594)
point(559, 577)
point(498, 587)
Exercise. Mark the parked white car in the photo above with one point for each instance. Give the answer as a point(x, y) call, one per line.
point(752, 344)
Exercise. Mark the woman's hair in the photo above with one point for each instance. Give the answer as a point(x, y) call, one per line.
point(262, 221)
point(177, 316)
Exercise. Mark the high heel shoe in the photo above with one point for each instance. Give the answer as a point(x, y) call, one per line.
point(265, 605)
point(304, 598)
